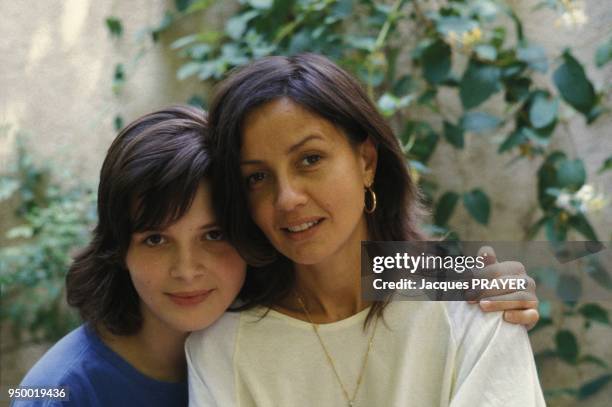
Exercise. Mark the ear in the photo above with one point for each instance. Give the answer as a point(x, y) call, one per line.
point(368, 155)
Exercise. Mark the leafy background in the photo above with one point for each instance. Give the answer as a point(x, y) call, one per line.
point(477, 102)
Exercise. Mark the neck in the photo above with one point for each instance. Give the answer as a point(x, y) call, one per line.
point(155, 351)
point(330, 290)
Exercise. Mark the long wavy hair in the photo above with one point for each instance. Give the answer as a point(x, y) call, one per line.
point(320, 86)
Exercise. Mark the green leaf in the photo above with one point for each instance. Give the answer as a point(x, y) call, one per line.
point(187, 70)
point(479, 82)
point(547, 178)
point(477, 204)
point(436, 61)
point(569, 288)
point(118, 78)
point(593, 386)
point(421, 139)
point(114, 26)
point(445, 207)
point(534, 56)
point(597, 272)
point(607, 165)
point(182, 5)
point(604, 53)
point(237, 25)
point(573, 84)
point(517, 89)
point(118, 122)
point(458, 25)
point(342, 9)
point(261, 4)
point(582, 225)
point(543, 110)
point(8, 186)
point(363, 43)
point(486, 52)
point(516, 138)
point(403, 85)
point(453, 134)
point(571, 174)
point(542, 323)
point(163, 25)
point(595, 312)
point(183, 41)
point(479, 122)
point(197, 101)
point(567, 346)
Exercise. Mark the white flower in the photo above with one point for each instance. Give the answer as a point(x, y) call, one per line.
point(573, 15)
point(586, 199)
point(586, 193)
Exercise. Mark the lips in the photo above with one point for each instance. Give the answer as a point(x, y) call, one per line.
point(302, 228)
point(189, 298)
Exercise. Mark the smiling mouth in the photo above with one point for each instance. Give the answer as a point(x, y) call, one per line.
point(302, 227)
point(189, 298)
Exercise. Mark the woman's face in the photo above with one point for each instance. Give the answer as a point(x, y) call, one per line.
point(187, 274)
point(305, 181)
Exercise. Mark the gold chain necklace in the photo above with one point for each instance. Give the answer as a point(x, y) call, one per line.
point(315, 328)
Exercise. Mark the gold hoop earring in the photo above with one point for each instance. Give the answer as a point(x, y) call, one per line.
point(372, 199)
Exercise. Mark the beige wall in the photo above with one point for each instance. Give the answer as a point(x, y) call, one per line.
point(55, 84)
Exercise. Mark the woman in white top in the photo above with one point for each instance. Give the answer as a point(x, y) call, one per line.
point(309, 170)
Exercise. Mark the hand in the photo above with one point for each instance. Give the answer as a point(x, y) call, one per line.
point(520, 307)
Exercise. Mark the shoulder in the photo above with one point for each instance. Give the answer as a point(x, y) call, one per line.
point(468, 322)
point(64, 359)
point(68, 360)
point(210, 362)
point(477, 334)
point(218, 338)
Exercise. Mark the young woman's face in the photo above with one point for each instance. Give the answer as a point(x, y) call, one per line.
point(187, 274)
point(305, 181)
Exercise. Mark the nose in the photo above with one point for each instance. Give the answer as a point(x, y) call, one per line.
point(290, 195)
point(188, 264)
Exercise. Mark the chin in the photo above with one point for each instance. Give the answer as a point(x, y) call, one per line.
point(307, 257)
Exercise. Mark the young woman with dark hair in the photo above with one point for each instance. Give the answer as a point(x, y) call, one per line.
point(157, 267)
point(310, 169)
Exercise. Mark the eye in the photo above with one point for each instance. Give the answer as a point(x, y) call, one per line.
point(255, 178)
point(214, 235)
point(310, 159)
point(154, 240)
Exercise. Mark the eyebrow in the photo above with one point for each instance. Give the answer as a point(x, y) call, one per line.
point(291, 149)
point(208, 225)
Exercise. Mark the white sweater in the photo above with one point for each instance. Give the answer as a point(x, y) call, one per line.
point(424, 354)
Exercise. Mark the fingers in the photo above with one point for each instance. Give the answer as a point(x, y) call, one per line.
point(488, 253)
point(503, 304)
point(519, 299)
point(527, 317)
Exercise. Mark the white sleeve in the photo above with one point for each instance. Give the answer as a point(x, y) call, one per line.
point(495, 364)
point(210, 369)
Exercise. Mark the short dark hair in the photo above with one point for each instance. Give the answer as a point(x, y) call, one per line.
point(148, 180)
point(320, 86)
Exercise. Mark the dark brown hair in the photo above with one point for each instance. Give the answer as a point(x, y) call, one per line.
point(323, 88)
point(148, 180)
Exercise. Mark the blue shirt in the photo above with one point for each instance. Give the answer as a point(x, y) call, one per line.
point(96, 376)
